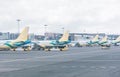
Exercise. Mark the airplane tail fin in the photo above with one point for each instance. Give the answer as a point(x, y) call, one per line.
point(104, 39)
point(95, 38)
point(23, 35)
point(118, 39)
point(65, 37)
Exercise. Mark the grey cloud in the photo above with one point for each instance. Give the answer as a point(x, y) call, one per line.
point(91, 15)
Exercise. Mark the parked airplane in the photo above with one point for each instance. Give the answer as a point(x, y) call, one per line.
point(60, 44)
point(63, 40)
point(20, 41)
point(104, 42)
point(87, 42)
point(93, 41)
point(117, 41)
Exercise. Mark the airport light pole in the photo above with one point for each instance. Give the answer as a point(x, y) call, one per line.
point(45, 27)
point(45, 31)
point(63, 29)
point(18, 20)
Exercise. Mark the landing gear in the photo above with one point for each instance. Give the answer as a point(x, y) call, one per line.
point(13, 49)
point(105, 47)
point(61, 50)
point(47, 49)
point(25, 48)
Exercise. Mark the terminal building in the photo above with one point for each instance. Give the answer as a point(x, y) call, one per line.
point(79, 36)
point(56, 36)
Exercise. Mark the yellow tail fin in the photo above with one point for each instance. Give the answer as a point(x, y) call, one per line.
point(118, 39)
point(64, 37)
point(23, 35)
point(104, 39)
point(95, 38)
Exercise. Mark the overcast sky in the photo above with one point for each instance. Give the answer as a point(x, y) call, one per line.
point(74, 15)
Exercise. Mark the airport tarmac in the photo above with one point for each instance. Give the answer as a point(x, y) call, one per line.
point(76, 62)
